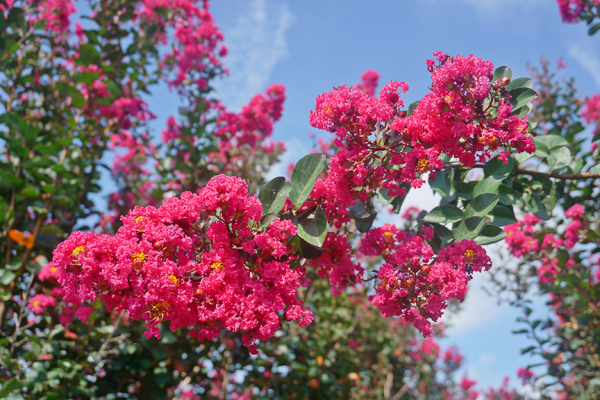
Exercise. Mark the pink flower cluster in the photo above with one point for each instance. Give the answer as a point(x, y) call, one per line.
point(336, 263)
point(591, 112)
point(525, 374)
point(56, 13)
point(197, 43)
point(570, 10)
point(254, 123)
point(465, 116)
point(242, 136)
point(415, 283)
point(369, 82)
point(455, 117)
point(195, 261)
point(66, 310)
point(526, 239)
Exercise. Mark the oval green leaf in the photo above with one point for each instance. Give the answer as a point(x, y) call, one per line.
point(273, 195)
point(522, 96)
point(444, 214)
point(312, 226)
point(481, 205)
point(490, 234)
point(304, 176)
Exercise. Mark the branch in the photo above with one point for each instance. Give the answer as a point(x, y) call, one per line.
point(581, 176)
point(116, 324)
point(403, 390)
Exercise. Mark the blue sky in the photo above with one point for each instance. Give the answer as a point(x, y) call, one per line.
point(312, 46)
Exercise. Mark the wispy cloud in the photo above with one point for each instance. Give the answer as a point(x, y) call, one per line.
point(588, 58)
point(256, 42)
point(479, 308)
point(494, 8)
point(295, 150)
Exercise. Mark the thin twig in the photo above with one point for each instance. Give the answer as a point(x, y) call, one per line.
point(110, 335)
point(575, 177)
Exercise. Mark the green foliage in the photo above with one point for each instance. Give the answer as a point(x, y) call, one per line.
point(304, 176)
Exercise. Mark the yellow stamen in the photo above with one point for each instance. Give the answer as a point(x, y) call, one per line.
point(448, 99)
point(469, 256)
point(388, 237)
point(138, 257)
point(158, 310)
point(138, 219)
point(36, 303)
point(423, 165)
point(217, 265)
point(78, 250)
point(174, 279)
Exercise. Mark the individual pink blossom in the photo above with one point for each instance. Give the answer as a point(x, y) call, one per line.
point(39, 302)
point(575, 211)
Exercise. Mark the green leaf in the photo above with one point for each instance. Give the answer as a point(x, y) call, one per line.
point(58, 329)
point(481, 205)
point(88, 54)
point(7, 277)
point(508, 195)
point(487, 185)
point(7, 387)
point(519, 82)
point(464, 190)
point(76, 97)
point(443, 184)
point(593, 29)
point(502, 72)
point(397, 204)
point(528, 349)
point(469, 228)
point(442, 231)
point(309, 251)
point(363, 214)
point(502, 216)
point(312, 226)
point(266, 220)
point(490, 234)
point(113, 88)
point(536, 207)
point(304, 176)
point(541, 182)
point(411, 107)
point(444, 214)
point(496, 167)
point(384, 198)
point(559, 158)
point(105, 330)
point(550, 142)
point(595, 381)
point(522, 96)
point(522, 111)
point(520, 158)
point(273, 195)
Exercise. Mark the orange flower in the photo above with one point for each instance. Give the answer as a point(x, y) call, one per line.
point(19, 237)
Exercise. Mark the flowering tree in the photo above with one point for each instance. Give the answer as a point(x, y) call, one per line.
point(217, 264)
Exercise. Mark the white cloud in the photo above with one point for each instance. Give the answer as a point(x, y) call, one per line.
point(479, 308)
point(588, 58)
point(256, 42)
point(487, 359)
point(295, 150)
point(496, 6)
